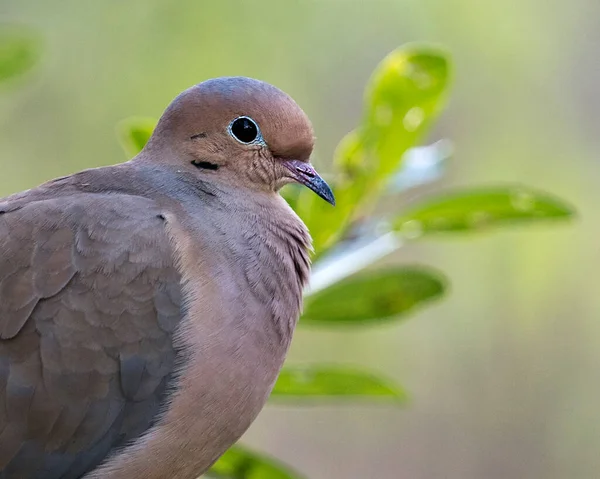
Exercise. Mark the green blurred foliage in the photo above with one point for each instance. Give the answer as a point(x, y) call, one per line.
point(240, 463)
point(301, 383)
point(133, 134)
point(476, 210)
point(373, 296)
point(403, 97)
point(19, 51)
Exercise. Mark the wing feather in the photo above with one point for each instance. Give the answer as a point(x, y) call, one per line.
point(89, 300)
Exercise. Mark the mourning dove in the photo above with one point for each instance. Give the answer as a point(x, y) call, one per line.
point(146, 308)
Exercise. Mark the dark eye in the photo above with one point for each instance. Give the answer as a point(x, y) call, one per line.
point(244, 129)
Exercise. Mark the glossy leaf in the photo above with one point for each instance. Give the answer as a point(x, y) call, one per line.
point(480, 209)
point(313, 382)
point(240, 463)
point(134, 133)
point(403, 97)
point(19, 51)
point(374, 296)
point(405, 94)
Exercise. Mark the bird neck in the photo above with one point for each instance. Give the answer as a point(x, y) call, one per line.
point(257, 246)
point(267, 247)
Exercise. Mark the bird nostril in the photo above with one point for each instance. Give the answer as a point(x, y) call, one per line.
point(306, 171)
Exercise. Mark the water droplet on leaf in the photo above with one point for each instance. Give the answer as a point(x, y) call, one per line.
point(423, 80)
point(413, 118)
point(522, 200)
point(304, 376)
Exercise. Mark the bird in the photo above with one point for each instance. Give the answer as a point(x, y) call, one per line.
point(146, 308)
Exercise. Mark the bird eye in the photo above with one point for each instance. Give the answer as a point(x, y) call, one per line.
point(244, 130)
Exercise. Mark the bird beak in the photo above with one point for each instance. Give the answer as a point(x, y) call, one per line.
point(305, 174)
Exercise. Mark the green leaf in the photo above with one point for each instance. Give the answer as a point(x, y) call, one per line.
point(374, 296)
point(134, 133)
point(313, 382)
point(240, 463)
point(291, 194)
point(404, 96)
point(19, 51)
point(480, 209)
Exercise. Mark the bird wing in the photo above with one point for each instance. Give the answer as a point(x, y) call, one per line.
point(89, 300)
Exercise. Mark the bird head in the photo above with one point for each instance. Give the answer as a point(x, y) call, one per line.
point(241, 131)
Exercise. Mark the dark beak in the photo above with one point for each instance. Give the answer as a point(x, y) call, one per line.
point(305, 174)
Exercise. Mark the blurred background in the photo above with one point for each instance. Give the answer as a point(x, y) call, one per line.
point(502, 373)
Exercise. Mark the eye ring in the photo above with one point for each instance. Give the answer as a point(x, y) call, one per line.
point(245, 130)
